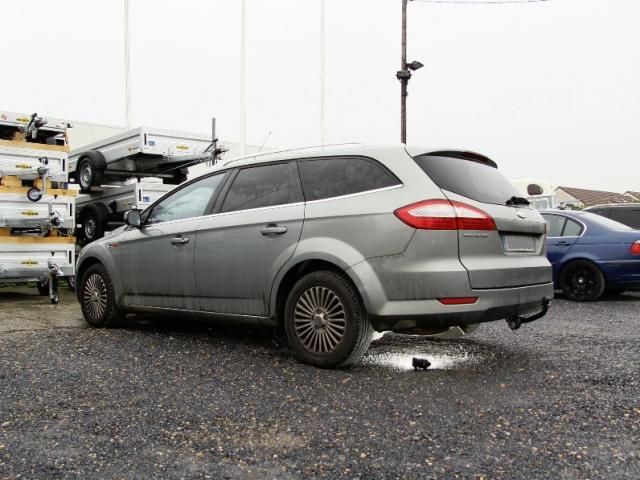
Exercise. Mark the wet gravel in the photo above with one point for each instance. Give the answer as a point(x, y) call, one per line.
point(177, 399)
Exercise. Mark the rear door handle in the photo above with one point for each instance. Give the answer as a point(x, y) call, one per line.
point(273, 229)
point(179, 240)
point(562, 244)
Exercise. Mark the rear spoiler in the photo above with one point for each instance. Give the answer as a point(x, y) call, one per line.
point(463, 155)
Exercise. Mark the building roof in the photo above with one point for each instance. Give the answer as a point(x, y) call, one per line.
point(596, 197)
point(633, 194)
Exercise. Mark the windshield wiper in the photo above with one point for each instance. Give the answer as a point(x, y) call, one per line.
point(517, 201)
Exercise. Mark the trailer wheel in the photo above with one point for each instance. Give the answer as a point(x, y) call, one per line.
point(178, 178)
point(94, 221)
point(90, 170)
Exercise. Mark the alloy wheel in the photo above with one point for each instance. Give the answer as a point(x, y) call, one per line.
point(95, 296)
point(319, 320)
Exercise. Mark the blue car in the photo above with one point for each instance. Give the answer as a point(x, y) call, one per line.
point(591, 254)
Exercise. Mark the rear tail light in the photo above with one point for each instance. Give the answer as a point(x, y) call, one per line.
point(635, 248)
point(445, 215)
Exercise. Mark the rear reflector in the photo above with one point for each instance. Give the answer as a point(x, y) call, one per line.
point(458, 300)
point(635, 248)
point(445, 215)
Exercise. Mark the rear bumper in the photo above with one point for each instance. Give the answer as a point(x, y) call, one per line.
point(492, 305)
point(622, 273)
point(417, 313)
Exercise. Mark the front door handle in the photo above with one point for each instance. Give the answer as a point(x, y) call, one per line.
point(179, 240)
point(273, 229)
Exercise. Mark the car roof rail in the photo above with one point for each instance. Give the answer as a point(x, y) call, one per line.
point(289, 150)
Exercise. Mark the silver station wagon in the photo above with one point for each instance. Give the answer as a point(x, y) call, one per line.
point(329, 244)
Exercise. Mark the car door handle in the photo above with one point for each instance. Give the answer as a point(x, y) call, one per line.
point(179, 240)
point(562, 244)
point(273, 229)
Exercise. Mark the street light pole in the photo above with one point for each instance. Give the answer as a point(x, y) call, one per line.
point(403, 75)
point(127, 73)
point(243, 76)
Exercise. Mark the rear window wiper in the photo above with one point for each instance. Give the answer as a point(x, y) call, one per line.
point(517, 201)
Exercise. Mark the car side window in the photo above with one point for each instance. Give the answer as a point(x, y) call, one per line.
point(187, 202)
point(572, 229)
point(264, 186)
point(555, 223)
point(338, 176)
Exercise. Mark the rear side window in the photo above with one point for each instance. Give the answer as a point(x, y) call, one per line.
point(559, 226)
point(338, 176)
point(472, 179)
point(572, 229)
point(555, 223)
point(264, 186)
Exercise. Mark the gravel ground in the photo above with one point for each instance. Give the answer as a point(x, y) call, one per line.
point(177, 399)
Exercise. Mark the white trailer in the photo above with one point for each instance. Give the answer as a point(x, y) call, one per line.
point(37, 211)
point(138, 153)
point(51, 211)
point(103, 209)
point(37, 259)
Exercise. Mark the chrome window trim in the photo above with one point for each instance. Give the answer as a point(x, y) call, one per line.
point(357, 194)
point(270, 207)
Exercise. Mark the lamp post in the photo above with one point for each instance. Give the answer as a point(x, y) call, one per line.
point(404, 74)
point(127, 73)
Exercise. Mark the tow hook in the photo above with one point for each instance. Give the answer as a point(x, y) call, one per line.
point(517, 321)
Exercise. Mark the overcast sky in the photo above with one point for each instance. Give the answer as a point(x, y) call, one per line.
point(548, 90)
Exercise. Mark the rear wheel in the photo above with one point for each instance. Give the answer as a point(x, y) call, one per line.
point(43, 288)
point(582, 281)
point(97, 298)
point(325, 321)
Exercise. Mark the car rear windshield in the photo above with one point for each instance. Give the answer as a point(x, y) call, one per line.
point(605, 222)
point(473, 179)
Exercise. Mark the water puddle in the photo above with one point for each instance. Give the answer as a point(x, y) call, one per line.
point(403, 361)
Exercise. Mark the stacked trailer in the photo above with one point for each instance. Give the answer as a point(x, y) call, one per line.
point(37, 209)
point(131, 170)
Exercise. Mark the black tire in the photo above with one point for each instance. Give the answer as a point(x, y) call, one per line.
point(71, 283)
point(98, 299)
point(582, 281)
point(327, 334)
point(177, 178)
point(90, 171)
point(43, 288)
point(94, 222)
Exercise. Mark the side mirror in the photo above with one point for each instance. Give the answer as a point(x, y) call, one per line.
point(132, 218)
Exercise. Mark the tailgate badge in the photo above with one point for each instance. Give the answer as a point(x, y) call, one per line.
point(521, 215)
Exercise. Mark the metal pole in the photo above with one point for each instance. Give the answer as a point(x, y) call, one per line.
point(243, 74)
point(323, 83)
point(403, 82)
point(127, 80)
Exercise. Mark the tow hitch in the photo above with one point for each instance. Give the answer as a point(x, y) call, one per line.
point(517, 321)
point(54, 273)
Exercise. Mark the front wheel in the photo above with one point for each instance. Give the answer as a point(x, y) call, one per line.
point(98, 299)
point(325, 321)
point(582, 281)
